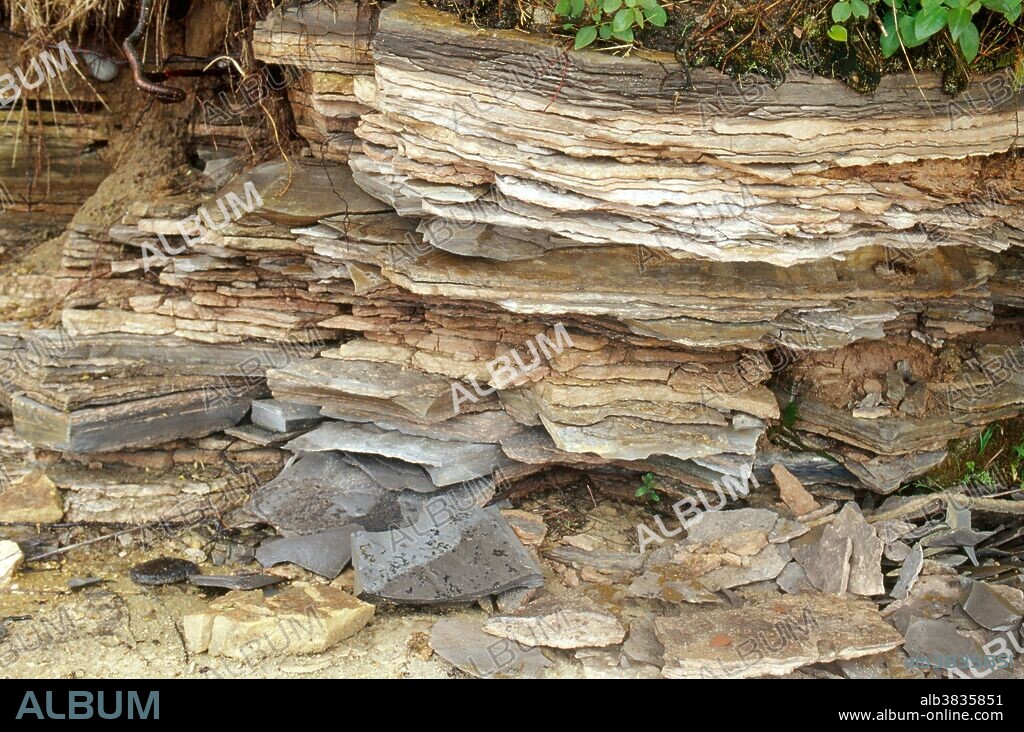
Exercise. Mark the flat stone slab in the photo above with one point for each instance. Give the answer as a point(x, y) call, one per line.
point(281, 416)
point(10, 559)
point(465, 646)
point(443, 556)
point(301, 619)
point(31, 498)
point(988, 608)
point(772, 637)
point(446, 462)
point(325, 553)
point(559, 622)
point(249, 581)
point(323, 491)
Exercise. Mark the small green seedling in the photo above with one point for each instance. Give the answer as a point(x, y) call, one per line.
point(647, 488)
point(984, 438)
point(617, 20)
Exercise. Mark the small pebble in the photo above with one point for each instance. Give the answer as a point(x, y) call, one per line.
point(163, 571)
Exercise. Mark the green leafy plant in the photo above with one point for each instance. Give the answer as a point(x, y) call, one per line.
point(789, 414)
point(647, 488)
point(984, 438)
point(910, 23)
point(617, 20)
point(973, 472)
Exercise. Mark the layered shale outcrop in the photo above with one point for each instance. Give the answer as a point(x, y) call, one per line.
point(496, 257)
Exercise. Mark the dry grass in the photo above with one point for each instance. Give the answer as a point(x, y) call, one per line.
point(44, 20)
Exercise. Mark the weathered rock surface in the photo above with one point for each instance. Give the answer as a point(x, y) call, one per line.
point(11, 558)
point(468, 648)
point(559, 622)
point(772, 637)
point(443, 557)
point(302, 619)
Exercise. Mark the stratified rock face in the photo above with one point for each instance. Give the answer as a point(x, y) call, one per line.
point(498, 257)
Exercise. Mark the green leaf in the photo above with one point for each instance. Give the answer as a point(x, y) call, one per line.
point(789, 413)
point(890, 42)
point(638, 17)
point(908, 33)
point(969, 41)
point(585, 36)
point(860, 8)
point(610, 6)
point(577, 8)
point(605, 31)
point(930, 4)
point(595, 16)
point(974, 7)
point(841, 11)
point(566, 26)
point(630, 3)
point(563, 7)
point(649, 4)
point(958, 20)
point(657, 17)
point(930, 22)
point(625, 36)
point(1002, 6)
point(623, 19)
point(838, 33)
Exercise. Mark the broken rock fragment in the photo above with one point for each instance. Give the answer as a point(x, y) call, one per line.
point(772, 637)
point(302, 619)
point(574, 621)
point(469, 649)
point(988, 608)
point(792, 491)
point(326, 553)
point(10, 559)
point(32, 498)
point(844, 556)
point(443, 556)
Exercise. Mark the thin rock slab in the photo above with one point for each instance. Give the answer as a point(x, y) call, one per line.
point(325, 553)
point(446, 462)
point(31, 498)
point(792, 491)
point(323, 491)
point(465, 646)
point(302, 619)
point(908, 573)
point(772, 636)
point(574, 621)
point(248, 581)
point(280, 416)
point(988, 608)
point(11, 559)
point(443, 557)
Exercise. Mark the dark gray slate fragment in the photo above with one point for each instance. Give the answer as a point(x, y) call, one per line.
point(443, 557)
point(988, 608)
point(468, 648)
point(325, 553)
point(908, 573)
point(234, 581)
point(80, 583)
point(282, 416)
point(323, 491)
point(163, 571)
